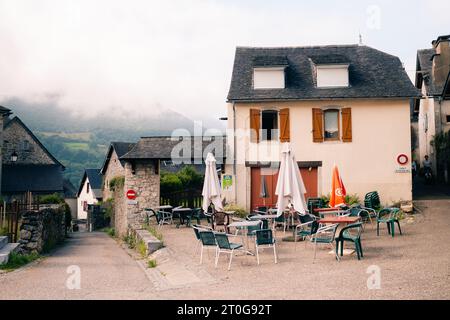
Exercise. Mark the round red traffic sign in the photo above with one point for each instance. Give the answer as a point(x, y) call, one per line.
point(131, 194)
point(402, 159)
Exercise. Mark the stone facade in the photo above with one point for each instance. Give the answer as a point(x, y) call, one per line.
point(114, 169)
point(145, 181)
point(119, 219)
point(41, 230)
point(16, 138)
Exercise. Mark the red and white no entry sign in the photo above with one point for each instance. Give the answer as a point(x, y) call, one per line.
point(131, 194)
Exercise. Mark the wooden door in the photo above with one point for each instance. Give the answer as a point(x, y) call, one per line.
point(271, 177)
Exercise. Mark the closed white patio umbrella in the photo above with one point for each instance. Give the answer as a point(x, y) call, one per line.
point(211, 187)
point(290, 188)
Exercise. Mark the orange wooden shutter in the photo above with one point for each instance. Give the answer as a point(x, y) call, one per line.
point(255, 124)
point(347, 125)
point(284, 126)
point(317, 118)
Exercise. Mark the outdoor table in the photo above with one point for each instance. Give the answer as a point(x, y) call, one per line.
point(340, 220)
point(329, 211)
point(270, 217)
point(245, 224)
point(182, 212)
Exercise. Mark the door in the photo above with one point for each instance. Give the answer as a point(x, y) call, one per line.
point(269, 176)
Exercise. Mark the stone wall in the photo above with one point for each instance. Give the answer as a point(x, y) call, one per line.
point(41, 230)
point(113, 170)
point(144, 180)
point(119, 219)
point(13, 140)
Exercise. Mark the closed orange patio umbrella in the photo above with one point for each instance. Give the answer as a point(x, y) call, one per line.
point(338, 191)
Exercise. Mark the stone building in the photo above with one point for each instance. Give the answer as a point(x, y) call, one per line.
point(113, 166)
point(142, 172)
point(4, 112)
point(27, 165)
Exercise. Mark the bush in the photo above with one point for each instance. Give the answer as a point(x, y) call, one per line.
point(116, 182)
point(186, 178)
point(108, 206)
point(170, 182)
point(352, 199)
point(67, 216)
point(239, 211)
point(51, 199)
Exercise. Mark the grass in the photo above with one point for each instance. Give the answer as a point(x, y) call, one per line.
point(17, 260)
point(141, 248)
point(77, 145)
point(110, 231)
point(158, 235)
point(130, 241)
point(152, 263)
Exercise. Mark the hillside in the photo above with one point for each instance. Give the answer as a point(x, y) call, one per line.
point(81, 143)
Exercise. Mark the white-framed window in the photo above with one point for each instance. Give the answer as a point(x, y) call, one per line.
point(334, 75)
point(331, 124)
point(269, 78)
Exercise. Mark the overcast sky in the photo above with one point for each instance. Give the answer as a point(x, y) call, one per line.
point(98, 55)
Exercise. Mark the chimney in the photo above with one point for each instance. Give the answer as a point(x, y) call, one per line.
point(441, 60)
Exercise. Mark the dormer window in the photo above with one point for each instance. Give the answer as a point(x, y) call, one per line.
point(268, 78)
point(332, 75)
point(269, 72)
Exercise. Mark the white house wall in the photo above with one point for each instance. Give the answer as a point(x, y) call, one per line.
point(381, 131)
point(85, 196)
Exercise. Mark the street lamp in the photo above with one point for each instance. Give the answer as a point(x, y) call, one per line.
point(14, 156)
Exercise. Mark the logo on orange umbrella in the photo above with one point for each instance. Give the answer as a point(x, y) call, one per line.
point(338, 191)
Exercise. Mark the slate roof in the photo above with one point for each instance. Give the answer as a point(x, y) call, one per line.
point(4, 111)
point(95, 181)
point(424, 71)
point(34, 178)
point(162, 148)
point(121, 148)
point(372, 74)
point(16, 119)
point(69, 189)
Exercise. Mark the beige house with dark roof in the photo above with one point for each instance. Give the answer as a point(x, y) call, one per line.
point(344, 105)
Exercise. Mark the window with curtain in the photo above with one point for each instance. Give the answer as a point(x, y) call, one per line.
point(331, 124)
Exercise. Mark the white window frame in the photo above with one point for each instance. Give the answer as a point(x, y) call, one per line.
point(282, 69)
point(275, 110)
point(336, 67)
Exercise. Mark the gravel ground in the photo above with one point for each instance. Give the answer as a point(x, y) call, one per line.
point(413, 266)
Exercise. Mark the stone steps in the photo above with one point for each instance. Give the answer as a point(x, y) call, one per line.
point(6, 249)
point(3, 241)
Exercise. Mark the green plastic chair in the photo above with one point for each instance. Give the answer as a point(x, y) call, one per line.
point(346, 234)
point(390, 217)
point(224, 245)
point(264, 238)
point(208, 240)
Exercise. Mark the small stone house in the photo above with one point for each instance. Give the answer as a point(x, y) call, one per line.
point(142, 172)
point(27, 165)
point(89, 192)
point(433, 108)
point(113, 166)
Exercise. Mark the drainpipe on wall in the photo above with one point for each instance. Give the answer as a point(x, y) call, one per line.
point(234, 152)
